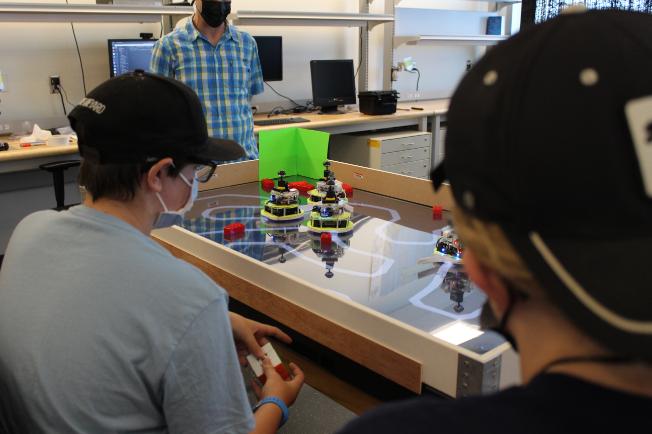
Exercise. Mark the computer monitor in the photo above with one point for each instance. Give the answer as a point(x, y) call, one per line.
point(333, 84)
point(537, 11)
point(270, 52)
point(126, 55)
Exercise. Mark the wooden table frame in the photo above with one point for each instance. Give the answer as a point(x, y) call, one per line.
point(401, 353)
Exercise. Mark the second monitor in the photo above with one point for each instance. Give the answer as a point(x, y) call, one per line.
point(333, 84)
point(127, 55)
point(270, 53)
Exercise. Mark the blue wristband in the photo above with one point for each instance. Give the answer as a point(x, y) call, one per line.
point(279, 402)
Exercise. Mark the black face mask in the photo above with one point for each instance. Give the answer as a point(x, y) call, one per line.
point(215, 12)
point(488, 320)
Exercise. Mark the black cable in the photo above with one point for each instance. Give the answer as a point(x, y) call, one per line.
point(418, 76)
point(81, 64)
point(66, 95)
point(360, 55)
point(283, 96)
point(63, 104)
point(278, 110)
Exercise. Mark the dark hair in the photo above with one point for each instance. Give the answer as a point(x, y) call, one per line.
point(118, 181)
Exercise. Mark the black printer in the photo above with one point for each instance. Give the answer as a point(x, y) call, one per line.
point(378, 102)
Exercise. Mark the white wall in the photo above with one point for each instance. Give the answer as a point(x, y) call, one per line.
point(302, 44)
point(31, 52)
point(441, 67)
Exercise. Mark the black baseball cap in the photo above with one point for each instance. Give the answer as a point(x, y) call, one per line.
point(139, 115)
point(550, 136)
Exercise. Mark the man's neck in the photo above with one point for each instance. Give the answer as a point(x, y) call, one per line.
point(213, 34)
point(545, 336)
point(136, 216)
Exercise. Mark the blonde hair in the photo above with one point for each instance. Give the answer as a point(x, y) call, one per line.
point(492, 248)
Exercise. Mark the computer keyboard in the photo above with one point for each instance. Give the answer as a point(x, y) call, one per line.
point(279, 121)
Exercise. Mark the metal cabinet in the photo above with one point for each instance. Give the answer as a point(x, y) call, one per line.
point(403, 152)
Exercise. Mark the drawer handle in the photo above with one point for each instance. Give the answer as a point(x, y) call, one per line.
point(404, 157)
point(408, 144)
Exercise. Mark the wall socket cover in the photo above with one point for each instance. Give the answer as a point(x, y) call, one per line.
point(2, 82)
point(55, 82)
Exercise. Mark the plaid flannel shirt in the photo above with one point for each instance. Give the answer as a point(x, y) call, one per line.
point(224, 76)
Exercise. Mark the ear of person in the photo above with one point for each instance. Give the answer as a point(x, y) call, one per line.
point(155, 174)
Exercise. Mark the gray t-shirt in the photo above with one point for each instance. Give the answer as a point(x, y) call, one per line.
point(103, 330)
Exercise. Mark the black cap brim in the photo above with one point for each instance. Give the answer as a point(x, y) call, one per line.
point(215, 149)
point(606, 304)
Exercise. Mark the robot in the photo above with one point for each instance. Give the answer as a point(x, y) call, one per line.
point(450, 249)
point(456, 284)
point(283, 203)
point(284, 235)
point(449, 245)
point(332, 214)
point(330, 250)
point(316, 195)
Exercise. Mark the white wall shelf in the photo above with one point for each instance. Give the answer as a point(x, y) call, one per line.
point(275, 18)
point(449, 39)
point(48, 12)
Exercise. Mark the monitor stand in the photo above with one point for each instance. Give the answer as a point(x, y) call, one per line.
point(330, 110)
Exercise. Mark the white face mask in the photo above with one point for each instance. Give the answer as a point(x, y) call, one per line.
point(169, 218)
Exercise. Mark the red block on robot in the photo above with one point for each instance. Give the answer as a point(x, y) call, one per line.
point(326, 240)
point(234, 230)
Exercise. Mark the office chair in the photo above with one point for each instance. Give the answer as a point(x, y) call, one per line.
point(57, 168)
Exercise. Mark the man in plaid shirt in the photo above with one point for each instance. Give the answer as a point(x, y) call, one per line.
point(221, 64)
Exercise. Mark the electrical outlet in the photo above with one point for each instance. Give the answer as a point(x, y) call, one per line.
point(55, 82)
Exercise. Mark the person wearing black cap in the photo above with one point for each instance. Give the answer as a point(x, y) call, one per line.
point(102, 329)
point(549, 158)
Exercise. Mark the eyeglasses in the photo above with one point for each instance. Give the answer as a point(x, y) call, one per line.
point(204, 172)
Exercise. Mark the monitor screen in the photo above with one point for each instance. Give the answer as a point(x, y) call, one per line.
point(537, 11)
point(333, 83)
point(270, 52)
point(126, 55)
